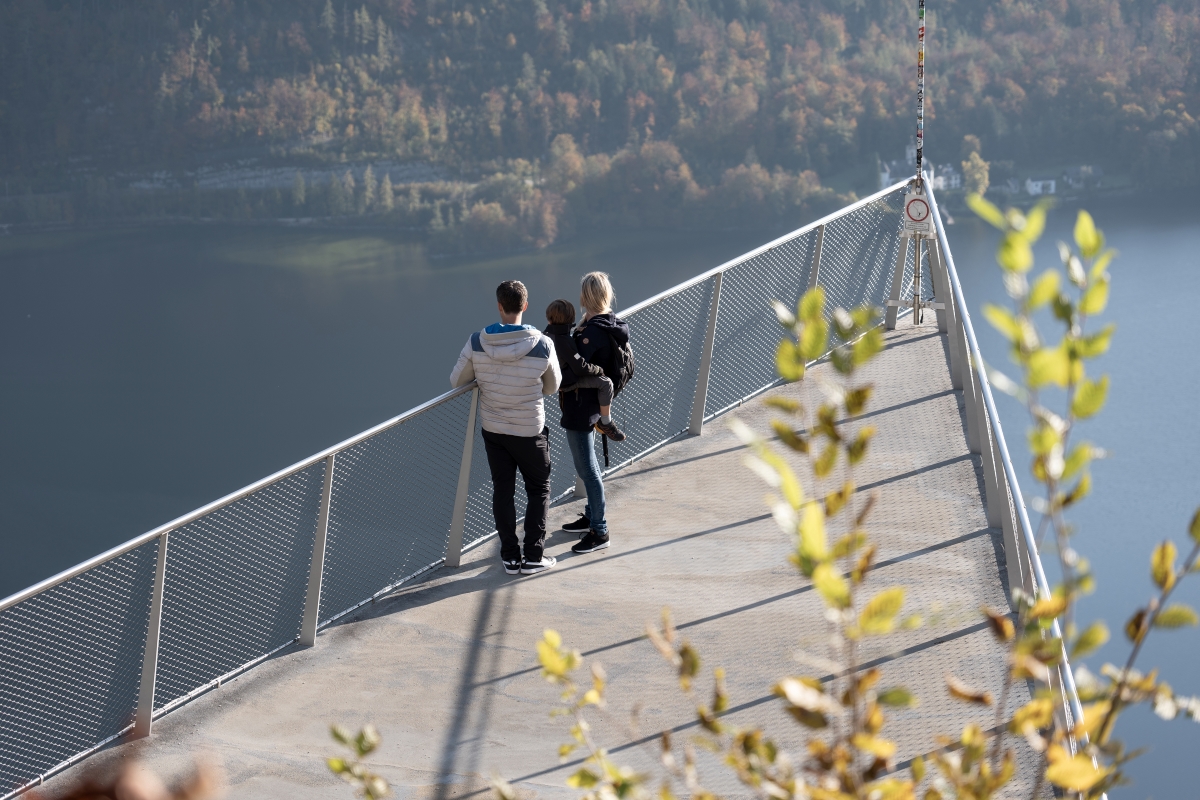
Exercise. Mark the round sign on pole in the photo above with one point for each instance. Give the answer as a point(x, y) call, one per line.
point(917, 209)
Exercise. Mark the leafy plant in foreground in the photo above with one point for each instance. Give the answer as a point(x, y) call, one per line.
point(369, 786)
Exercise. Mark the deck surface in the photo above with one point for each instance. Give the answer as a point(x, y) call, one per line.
point(446, 670)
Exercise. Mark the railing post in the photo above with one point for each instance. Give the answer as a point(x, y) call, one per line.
point(951, 322)
point(710, 337)
point(987, 451)
point(459, 517)
point(941, 291)
point(893, 306)
point(316, 566)
point(145, 707)
point(815, 273)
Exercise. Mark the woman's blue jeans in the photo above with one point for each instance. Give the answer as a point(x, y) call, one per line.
point(587, 467)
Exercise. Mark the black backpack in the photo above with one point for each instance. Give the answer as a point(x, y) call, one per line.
point(621, 365)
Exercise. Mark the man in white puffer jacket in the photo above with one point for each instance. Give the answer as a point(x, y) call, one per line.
point(515, 366)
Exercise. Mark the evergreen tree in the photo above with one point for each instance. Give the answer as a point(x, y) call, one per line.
point(298, 190)
point(414, 199)
point(386, 198)
point(437, 223)
point(329, 17)
point(367, 201)
point(337, 196)
point(349, 191)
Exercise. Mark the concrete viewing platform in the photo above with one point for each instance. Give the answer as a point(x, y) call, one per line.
point(446, 668)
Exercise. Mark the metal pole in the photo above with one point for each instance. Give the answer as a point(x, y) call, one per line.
point(893, 306)
point(145, 707)
point(948, 318)
point(316, 566)
point(459, 517)
point(918, 310)
point(987, 452)
point(814, 275)
point(710, 337)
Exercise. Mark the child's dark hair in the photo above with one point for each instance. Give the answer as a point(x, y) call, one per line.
point(560, 312)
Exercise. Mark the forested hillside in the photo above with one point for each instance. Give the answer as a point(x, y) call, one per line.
point(674, 98)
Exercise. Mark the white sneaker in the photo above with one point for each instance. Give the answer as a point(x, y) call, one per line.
point(534, 567)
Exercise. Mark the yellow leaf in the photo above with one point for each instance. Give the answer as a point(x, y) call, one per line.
point(583, 779)
point(1095, 298)
point(1035, 715)
point(1176, 615)
point(1003, 321)
point(1076, 774)
point(1162, 565)
point(565, 750)
point(1015, 254)
point(813, 543)
point(788, 361)
point(1092, 638)
point(1090, 240)
point(825, 462)
point(1101, 263)
point(1048, 365)
point(1045, 288)
point(591, 698)
point(986, 211)
point(832, 586)
point(814, 340)
point(1048, 607)
point(880, 748)
point(879, 614)
point(812, 304)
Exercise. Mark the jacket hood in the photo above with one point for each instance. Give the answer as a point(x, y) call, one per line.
point(554, 329)
point(618, 329)
point(510, 346)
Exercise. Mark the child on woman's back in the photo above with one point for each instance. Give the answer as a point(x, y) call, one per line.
point(576, 372)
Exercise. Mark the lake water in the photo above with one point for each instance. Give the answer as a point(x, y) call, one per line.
point(147, 371)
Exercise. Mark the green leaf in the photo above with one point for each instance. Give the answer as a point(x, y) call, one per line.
point(1089, 239)
point(812, 305)
point(1162, 565)
point(1048, 365)
point(826, 461)
point(897, 696)
point(1176, 615)
point(1045, 288)
point(831, 585)
point(789, 361)
point(918, 769)
point(1015, 254)
point(1097, 343)
point(785, 404)
point(337, 765)
point(867, 347)
point(814, 340)
point(1090, 397)
point(1035, 222)
point(856, 451)
point(1194, 528)
point(1101, 264)
point(879, 614)
point(986, 211)
point(1003, 321)
point(1092, 639)
point(583, 779)
point(1095, 298)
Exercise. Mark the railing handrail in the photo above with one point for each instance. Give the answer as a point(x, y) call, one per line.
point(977, 363)
point(305, 463)
point(232, 497)
point(787, 237)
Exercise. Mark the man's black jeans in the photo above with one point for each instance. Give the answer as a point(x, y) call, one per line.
point(530, 454)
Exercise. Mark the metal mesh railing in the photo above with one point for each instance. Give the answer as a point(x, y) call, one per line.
point(266, 566)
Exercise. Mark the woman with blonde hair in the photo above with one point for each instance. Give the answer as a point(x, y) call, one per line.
point(599, 336)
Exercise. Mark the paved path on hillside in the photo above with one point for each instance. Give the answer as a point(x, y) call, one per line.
point(445, 668)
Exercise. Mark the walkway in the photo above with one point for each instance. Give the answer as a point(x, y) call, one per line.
point(446, 669)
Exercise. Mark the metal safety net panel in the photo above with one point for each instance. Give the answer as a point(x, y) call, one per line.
point(239, 574)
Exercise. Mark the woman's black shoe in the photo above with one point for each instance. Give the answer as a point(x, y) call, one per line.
point(578, 526)
point(591, 543)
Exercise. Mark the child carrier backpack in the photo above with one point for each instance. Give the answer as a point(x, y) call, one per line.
point(620, 370)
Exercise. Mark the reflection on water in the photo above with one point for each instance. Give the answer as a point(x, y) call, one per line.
point(1150, 486)
point(149, 371)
